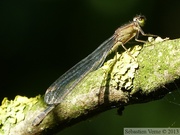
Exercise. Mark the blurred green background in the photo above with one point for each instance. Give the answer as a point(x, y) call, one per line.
point(41, 39)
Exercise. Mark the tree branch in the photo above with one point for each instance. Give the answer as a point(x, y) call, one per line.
point(120, 82)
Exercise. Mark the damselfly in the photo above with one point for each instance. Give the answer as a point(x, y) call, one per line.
point(57, 92)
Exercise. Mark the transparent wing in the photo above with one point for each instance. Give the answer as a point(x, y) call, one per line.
point(65, 83)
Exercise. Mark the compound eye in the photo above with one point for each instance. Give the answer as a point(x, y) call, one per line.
point(140, 20)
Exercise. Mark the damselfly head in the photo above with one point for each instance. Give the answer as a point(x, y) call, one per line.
point(140, 20)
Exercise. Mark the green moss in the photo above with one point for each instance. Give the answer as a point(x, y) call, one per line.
point(159, 66)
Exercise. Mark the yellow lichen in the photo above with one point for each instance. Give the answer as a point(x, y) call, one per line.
point(12, 111)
